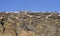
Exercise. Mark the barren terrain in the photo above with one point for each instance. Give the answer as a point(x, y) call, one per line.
point(29, 24)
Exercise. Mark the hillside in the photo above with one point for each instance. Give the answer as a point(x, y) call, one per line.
point(29, 24)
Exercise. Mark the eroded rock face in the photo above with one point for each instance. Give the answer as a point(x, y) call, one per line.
point(29, 24)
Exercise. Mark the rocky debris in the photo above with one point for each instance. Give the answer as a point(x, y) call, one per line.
point(29, 24)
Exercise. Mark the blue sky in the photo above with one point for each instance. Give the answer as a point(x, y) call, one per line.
point(30, 5)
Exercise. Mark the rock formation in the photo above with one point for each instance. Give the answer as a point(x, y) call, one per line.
point(29, 24)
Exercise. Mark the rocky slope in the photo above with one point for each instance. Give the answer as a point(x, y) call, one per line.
point(29, 24)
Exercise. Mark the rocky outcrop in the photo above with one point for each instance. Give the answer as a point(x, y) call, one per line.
point(29, 24)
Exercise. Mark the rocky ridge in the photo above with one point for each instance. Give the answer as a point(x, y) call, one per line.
point(29, 24)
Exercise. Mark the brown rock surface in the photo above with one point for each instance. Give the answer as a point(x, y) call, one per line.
point(29, 24)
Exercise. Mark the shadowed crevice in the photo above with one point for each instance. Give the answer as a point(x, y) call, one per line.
point(16, 33)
